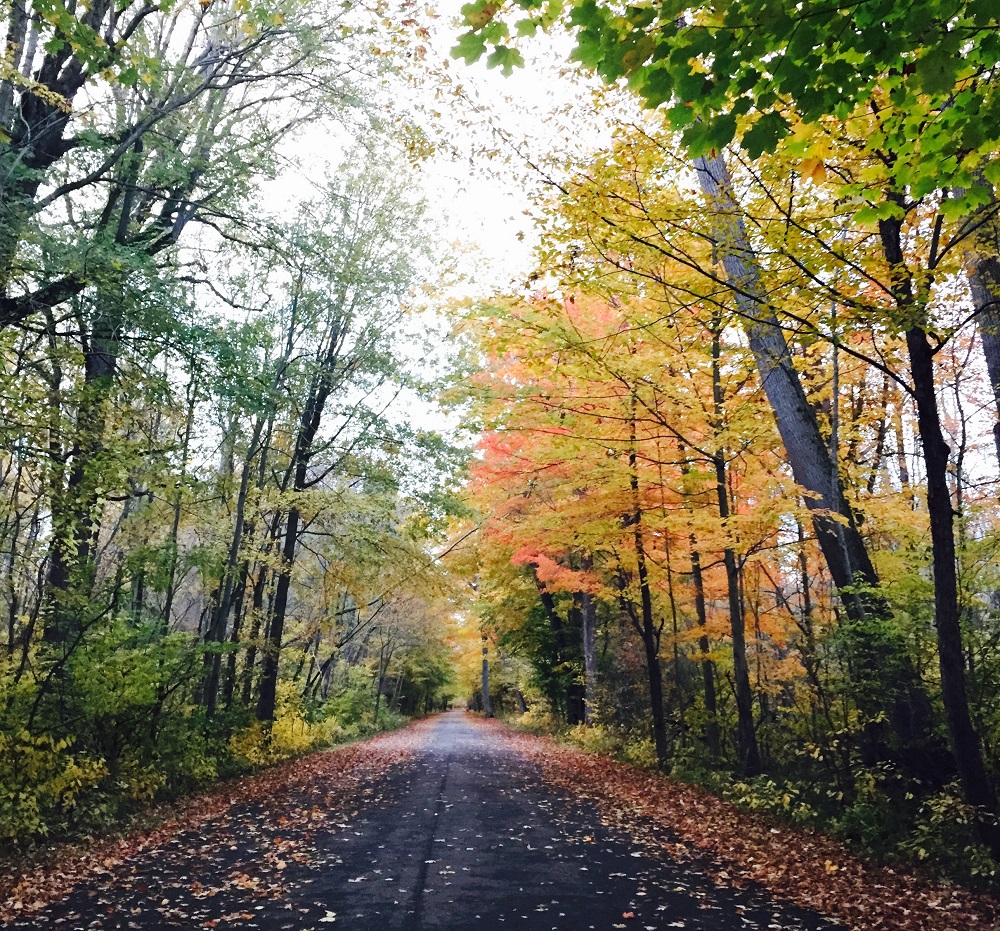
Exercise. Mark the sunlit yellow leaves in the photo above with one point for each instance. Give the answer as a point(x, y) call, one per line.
point(813, 169)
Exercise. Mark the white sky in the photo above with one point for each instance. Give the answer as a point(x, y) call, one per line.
point(479, 187)
point(479, 199)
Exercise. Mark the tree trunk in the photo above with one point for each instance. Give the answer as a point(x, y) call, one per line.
point(808, 455)
point(975, 782)
point(566, 653)
point(257, 608)
point(271, 657)
point(707, 666)
point(588, 615)
point(175, 524)
point(216, 632)
point(984, 283)
point(877, 646)
point(649, 633)
point(487, 701)
point(309, 424)
point(76, 507)
point(746, 734)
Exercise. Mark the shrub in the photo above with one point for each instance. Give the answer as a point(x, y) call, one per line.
point(783, 800)
point(288, 736)
point(41, 783)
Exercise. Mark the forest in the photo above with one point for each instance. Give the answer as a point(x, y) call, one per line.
point(712, 487)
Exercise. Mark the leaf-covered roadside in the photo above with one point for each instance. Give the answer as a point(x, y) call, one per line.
point(323, 786)
point(806, 869)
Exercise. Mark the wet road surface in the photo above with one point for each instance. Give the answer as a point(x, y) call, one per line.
point(464, 835)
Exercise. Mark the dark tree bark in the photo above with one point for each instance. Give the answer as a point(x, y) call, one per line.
point(487, 700)
point(967, 749)
point(322, 385)
point(216, 631)
point(567, 651)
point(746, 734)
point(36, 125)
point(707, 666)
point(588, 616)
point(649, 631)
point(889, 687)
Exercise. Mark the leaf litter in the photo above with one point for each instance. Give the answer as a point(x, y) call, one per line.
point(741, 849)
point(233, 855)
point(259, 825)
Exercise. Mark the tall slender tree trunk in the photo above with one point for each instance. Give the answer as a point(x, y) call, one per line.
point(75, 505)
point(588, 616)
point(257, 613)
point(485, 680)
point(216, 632)
point(239, 603)
point(649, 632)
point(984, 283)
point(876, 646)
point(178, 502)
point(309, 423)
point(707, 666)
point(268, 688)
point(746, 734)
point(967, 749)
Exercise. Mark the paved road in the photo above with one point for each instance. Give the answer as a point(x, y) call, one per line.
point(464, 836)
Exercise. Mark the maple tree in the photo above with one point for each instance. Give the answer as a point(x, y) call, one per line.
point(815, 282)
point(733, 511)
point(924, 131)
point(580, 460)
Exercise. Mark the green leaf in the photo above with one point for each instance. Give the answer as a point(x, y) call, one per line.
point(865, 215)
point(469, 47)
point(681, 115)
point(589, 51)
point(992, 172)
point(888, 210)
point(763, 136)
point(586, 14)
point(937, 68)
point(505, 58)
point(657, 87)
point(699, 139)
point(640, 16)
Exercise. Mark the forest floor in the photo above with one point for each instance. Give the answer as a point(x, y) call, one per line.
point(456, 823)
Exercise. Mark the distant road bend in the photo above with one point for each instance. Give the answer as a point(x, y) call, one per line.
point(457, 833)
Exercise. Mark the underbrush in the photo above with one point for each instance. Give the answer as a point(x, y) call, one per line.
point(103, 778)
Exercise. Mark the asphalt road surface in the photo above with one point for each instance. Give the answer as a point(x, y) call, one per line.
point(464, 835)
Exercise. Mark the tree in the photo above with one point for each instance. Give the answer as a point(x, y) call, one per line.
point(755, 72)
point(355, 263)
point(586, 448)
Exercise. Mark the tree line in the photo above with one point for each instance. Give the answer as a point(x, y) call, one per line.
point(215, 525)
point(750, 409)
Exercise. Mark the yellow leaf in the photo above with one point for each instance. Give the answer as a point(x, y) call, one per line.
point(813, 169)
